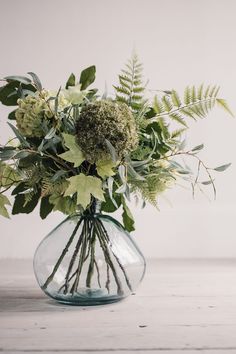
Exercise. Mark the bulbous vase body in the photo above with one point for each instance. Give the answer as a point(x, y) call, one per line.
point(88, 260)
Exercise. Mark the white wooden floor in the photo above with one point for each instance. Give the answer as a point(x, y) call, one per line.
point(181, 307)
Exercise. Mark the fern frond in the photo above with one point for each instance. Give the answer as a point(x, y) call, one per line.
point(151, 187)
point(196, 103)
point(131, 86)
point(28, 197)
point(48, 186)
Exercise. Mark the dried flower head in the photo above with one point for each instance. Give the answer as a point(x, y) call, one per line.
point(106, 120)
point(36, 111)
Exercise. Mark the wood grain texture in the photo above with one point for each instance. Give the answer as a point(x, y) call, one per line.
point(182, 306)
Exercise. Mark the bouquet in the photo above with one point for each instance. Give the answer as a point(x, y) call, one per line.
point(76, 152)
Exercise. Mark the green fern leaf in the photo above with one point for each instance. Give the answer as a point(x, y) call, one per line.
point(167, 103)
point(158, 106)
point(223, 104)
point(175, 98)
point(130, 86)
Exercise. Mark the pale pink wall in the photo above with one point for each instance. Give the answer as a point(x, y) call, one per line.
point(180, 42)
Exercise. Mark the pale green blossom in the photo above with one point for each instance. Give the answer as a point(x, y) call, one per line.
point(74, 95)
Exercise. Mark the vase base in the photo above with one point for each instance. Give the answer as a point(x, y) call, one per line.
point(86, 298)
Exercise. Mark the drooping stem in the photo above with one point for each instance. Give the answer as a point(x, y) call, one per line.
point(60, 259)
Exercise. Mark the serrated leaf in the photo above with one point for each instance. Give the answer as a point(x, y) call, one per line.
point(223, 104)
point(85, 187)
point(4, 201)
point(222, 168)
point(65, 205)
point(87, 77)
point(104, 168)
point(74, 155)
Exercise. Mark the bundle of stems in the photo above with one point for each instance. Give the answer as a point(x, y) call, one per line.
point(88, 232)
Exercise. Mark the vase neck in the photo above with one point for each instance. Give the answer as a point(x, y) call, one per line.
point(93, 208)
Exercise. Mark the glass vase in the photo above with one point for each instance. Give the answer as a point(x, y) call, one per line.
point(88, 260)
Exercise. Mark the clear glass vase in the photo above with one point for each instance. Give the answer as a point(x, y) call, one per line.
point(88, 260)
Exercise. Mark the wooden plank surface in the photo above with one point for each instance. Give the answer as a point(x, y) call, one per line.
point(182, 306)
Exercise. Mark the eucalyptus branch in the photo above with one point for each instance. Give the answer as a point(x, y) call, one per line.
point(200, 163)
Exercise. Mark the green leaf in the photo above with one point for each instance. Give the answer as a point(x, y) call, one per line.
point(206, 183)
point(175, 98)
point(104, 168)
point(45, 207)
point(65, 205)
point(22, 79)
point(127, 217)
point(74, 154)
point(85, 187)
point(222, 168)
point(223, 104)
point(36, 81)
point(21, 187)
point(9, 92)
point(20, 206)
point(87, 77)
point(112, 151)
point(8, 175)
point(19, 136)
point(198, 147)
point(70, 81)
point(108, 206)
point(11, 115)
point(4, 201)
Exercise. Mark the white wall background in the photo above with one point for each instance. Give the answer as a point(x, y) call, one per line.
point(180, 42)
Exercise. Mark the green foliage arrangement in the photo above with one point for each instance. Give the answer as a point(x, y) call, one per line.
point(72, 147)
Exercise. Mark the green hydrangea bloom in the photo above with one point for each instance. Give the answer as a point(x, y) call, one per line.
point(31, 113)
point(106, 120)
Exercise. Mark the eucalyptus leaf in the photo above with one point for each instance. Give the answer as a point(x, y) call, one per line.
point(198, 148)
point(20, 137)
point(222, 168)
point(22, 79)
point(112, 151)
point(36, 81)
